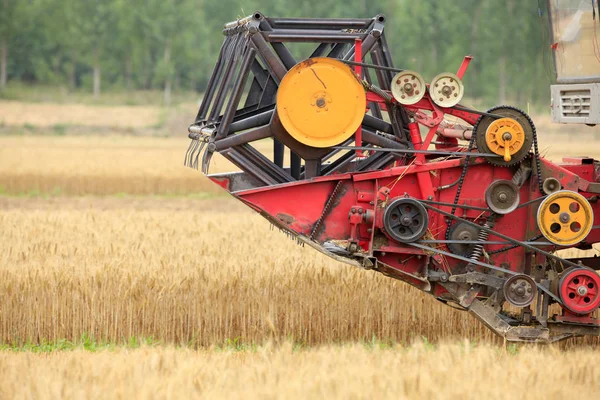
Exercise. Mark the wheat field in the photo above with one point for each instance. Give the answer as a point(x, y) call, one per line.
point(192, 272)
point(450, 371)
point(111, 238)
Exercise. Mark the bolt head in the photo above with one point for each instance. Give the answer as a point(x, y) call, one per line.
point(520, 291)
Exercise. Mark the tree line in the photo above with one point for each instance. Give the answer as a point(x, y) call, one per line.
point(172, 45)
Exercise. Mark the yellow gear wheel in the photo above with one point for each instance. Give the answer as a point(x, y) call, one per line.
point(505, 137)
point(321, 102)
point(565, 218)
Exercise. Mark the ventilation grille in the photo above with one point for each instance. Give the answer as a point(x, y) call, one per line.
point(575, 103)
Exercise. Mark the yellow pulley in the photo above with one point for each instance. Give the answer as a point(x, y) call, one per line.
point(321, 102)
point(505, 137)
point(565, 218)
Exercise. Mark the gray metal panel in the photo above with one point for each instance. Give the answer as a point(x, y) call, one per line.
point(576, 104)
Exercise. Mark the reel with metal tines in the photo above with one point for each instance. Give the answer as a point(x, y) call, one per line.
point(565, 218)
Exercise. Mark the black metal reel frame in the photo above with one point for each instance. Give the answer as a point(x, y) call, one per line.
point(253, 60)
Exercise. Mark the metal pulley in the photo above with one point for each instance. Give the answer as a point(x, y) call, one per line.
point(408, 87)
point(465, 232)
point(321, 102)
point(520, 290)
point(508, 132)
point(579, 290)
point(551, 185)
point(565, 218)
point(446, 89)
point(405, 220)
point(502, 196)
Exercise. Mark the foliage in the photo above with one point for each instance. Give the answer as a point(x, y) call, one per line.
point(144, 44)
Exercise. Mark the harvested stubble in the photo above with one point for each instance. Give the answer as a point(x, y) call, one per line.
point(192, 272)
point(346, 372)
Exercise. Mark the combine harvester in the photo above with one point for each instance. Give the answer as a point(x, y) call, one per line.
point(468, 212)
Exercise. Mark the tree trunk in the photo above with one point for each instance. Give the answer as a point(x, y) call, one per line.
point(3, 62)
point(97, 74)
point(167, 94)
point(4, 56)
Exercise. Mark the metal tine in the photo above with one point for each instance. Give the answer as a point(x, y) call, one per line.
point(185, 160)
point(194, 155)
point(189, 155)
point(193, 146)
point(198, 154)
point(206, 161)
point(191, 161)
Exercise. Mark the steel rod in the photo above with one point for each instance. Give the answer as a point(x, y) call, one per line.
point(236, 93)
point(212, 83)
point(260, 161)
point(377, 140)
point(278, 152)
point(251, 122)
point(295, 164)
point(373, 66)
point(413, 151)
point(377, 124)
point(274, 64)
point(227, 76)
point(319, 23)
point(277, 36)
point(243, 138)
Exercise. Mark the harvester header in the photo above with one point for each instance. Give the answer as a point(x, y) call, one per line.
point(377, 168)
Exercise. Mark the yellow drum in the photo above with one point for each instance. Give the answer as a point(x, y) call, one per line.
point(321, 102)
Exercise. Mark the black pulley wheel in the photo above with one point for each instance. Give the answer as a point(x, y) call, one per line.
point(405, 220)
